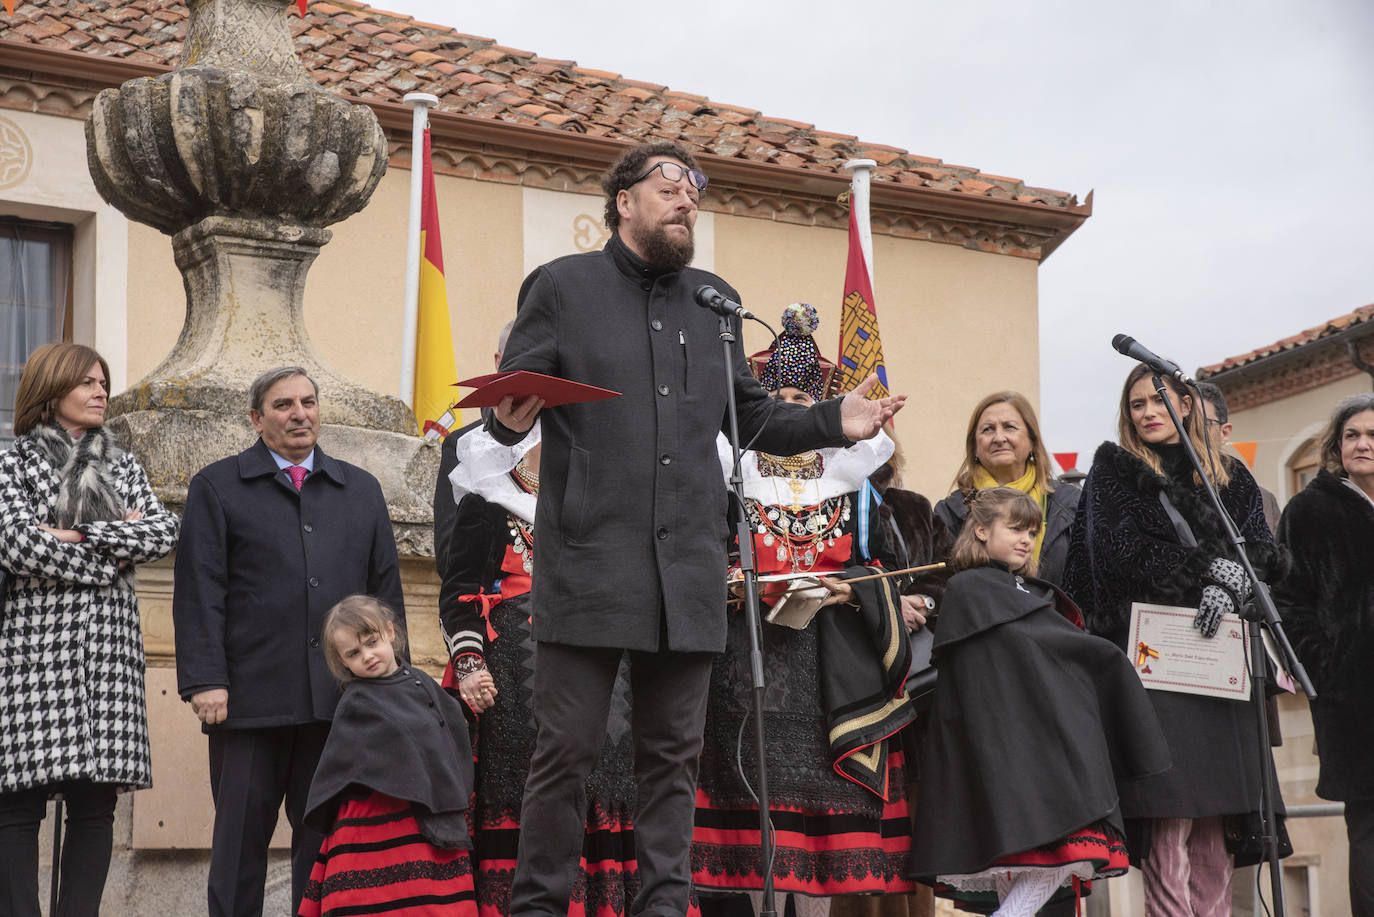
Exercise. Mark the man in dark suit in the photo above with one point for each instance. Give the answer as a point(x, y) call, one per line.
point(632, 518)
point(270, 540)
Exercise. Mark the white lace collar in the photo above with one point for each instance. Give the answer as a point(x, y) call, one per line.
point(845, 471)
point(484, 467)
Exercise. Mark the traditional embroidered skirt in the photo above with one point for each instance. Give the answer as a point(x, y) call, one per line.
point(608, 877)
point(376, 861)
point(1094, 852)
point(832, 836)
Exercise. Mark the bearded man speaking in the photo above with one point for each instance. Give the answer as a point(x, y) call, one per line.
point(632, 518)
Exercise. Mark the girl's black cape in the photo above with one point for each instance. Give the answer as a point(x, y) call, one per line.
point(1034, 723)
point(401, 735)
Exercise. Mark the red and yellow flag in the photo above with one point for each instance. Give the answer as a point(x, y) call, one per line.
point(861, 348)
point(435, 368)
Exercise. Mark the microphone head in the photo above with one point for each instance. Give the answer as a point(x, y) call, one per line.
point(707, 295)
point(1122, 343)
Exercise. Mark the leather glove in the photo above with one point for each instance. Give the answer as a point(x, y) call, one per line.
point(1215, 603)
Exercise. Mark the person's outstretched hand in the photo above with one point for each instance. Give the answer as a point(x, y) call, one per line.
point(861, 418)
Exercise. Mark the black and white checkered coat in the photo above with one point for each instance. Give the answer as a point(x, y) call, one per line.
point(71, 653)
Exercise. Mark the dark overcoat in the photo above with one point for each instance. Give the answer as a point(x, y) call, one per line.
point(1327, 604)
point(401, 735)
point(1033, 725)
point(1061, 506)
point(257, 568)
point(1124, 549)
point(632, 512)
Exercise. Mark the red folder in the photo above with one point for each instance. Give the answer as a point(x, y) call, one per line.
point(492, 387)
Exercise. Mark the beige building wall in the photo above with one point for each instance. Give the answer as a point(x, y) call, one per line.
point(1282, 427)
point(43, 177)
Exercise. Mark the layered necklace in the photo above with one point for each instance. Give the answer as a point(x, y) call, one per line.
point(799, 532)
point(522, 532)
point(795, 469)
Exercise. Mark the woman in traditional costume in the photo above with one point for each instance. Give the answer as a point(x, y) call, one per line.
point(834, 699)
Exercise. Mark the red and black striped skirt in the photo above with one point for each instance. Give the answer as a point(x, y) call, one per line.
point(376, 861)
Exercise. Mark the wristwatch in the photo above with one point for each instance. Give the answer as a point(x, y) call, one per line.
point(925, 600)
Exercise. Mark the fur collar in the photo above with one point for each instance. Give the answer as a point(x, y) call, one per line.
point(85, 475)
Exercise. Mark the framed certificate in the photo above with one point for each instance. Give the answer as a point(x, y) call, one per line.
point(1170, 654)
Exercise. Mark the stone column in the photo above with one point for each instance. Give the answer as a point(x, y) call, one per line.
point(243, 160)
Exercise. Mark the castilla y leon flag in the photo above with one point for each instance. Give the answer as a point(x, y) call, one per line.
point(435, 367)
point(861, 349)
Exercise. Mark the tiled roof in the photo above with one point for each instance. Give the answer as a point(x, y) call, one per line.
point(356, 50)
point(1315, 333)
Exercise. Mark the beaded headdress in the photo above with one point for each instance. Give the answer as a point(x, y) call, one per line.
point(796, 361)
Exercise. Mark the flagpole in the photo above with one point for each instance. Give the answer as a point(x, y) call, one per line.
point(420, 102)
point(861, 174)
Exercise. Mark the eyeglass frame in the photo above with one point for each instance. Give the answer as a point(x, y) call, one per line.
point(690, 174)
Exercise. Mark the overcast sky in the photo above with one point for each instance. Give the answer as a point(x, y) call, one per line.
point(1230, 142)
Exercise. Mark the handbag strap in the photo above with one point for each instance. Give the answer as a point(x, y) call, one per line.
point(1181, 527)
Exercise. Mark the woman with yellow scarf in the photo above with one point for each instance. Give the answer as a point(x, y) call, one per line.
point(1003, 448)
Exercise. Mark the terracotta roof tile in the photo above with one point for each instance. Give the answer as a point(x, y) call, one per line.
point(377, 54)
point(1292, 342)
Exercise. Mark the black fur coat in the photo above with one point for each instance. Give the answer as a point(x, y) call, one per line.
point(1327, 604)
point(1124, 549)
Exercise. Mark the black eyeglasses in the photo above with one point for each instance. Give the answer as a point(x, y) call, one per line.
point(674, 172)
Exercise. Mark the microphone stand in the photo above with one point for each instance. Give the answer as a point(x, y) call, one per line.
point(745, 537)
point(1259, 669)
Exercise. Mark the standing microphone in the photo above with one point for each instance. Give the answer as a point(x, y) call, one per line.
point(1128, 346)
point(708, 297)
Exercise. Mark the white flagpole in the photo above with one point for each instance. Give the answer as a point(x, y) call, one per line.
point(420, 102)
point(861, 172)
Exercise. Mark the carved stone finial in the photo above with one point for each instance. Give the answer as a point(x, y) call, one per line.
point(243, 160)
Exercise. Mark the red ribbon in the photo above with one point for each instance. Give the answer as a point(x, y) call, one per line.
point(488, 601)
point(1143, 652)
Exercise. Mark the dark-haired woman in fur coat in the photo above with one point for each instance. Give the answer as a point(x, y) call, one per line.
point(1126, 548)
point(76, 515)
point(1327, 603)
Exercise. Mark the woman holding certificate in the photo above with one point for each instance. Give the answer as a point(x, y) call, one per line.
point(1146, 532)
point(834, 697)
point(1327, 604)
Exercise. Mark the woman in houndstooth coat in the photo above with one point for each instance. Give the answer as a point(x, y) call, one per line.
point(76, 515)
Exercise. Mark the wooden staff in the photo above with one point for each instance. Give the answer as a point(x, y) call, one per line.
point(924, 568)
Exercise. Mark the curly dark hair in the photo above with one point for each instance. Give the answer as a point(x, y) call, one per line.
point(630, 166)
point(1331, 436)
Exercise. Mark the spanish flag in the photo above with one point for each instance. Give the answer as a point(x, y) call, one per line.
point(861, 348)
point(435, 367)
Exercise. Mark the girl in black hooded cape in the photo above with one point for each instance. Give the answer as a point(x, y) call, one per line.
point(391, 790)
point(1033, 724)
